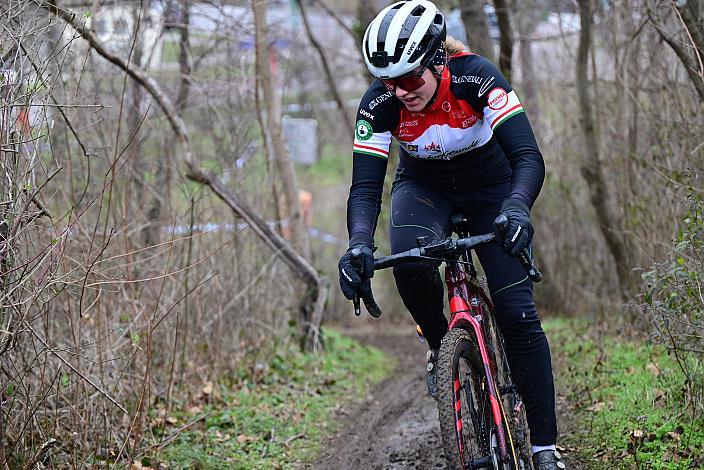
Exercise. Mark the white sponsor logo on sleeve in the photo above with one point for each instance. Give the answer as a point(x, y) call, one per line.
point(485, 86)
point(366, 113)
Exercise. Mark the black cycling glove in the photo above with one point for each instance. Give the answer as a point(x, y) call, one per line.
point(355, 274)
point(516, 234)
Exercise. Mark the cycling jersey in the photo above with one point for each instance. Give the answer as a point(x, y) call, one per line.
point(473, 134)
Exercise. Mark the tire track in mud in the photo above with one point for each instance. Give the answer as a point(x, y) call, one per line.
point(396, 425)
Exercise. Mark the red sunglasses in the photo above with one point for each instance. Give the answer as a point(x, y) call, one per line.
point(409, 82)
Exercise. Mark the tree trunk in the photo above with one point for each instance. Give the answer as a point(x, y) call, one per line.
point(184, 56)
point(299, 238)
point(139, 199)
point(474, 20)
point(506, 41)
point(366, 11)
point(527, 19)
point(591, 168)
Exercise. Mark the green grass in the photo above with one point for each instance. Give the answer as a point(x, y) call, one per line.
point(626, 401)
point(281, 418)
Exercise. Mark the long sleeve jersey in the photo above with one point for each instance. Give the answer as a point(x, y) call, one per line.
point(474, 134)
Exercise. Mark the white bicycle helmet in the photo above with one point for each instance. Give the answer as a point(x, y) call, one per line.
point(402, 37)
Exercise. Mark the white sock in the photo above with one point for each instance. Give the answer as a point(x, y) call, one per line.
point(536, 449)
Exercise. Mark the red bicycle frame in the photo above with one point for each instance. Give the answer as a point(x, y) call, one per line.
point(466, 312)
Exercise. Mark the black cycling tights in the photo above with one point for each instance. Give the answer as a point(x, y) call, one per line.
point(418, 209)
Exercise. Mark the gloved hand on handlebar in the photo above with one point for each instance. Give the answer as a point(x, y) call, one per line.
point(515, 234)
point(355, 274)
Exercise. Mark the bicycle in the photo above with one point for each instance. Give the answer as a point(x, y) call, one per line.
point(474, 378)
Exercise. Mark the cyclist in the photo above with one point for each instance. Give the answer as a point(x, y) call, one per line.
point(465, 145)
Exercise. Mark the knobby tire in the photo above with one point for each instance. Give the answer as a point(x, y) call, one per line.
point(458, 351)
point(459, 359)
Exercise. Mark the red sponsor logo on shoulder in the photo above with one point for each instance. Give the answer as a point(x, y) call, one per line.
point(497, 98)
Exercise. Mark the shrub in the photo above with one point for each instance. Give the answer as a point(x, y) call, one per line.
point(674, 298)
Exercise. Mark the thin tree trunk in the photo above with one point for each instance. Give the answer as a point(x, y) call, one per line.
point(366, 10)
point(184, 56)
point(299, 238)
point(527, 19)
point(591, 168)
point(269, 152)
point(138, 197)
point(474, 19)
point(326, 68)
point(506, 41)
point(184, 88)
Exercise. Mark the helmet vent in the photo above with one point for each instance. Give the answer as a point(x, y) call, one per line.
point(380, 59)
point(421, 49)
point(418, 11)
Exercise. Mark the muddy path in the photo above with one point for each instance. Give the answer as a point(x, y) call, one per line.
point(396, 425)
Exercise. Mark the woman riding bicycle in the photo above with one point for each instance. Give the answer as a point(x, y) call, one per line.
point(465, 146)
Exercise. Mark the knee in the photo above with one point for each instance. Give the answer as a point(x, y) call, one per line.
point(518, 318)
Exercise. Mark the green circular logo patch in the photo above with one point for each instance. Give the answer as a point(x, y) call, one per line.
point(363, 130)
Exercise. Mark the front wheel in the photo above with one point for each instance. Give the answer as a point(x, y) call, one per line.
point(463, 402)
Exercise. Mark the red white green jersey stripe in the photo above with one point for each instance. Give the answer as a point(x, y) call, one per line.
point(501, 106)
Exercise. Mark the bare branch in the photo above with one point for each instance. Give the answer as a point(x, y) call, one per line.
point(177, 124)
point(326, 69)
point(340, 23)
point(76, 371)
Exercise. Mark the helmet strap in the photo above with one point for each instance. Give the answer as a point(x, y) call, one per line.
point(439, 59)
point(437, 87)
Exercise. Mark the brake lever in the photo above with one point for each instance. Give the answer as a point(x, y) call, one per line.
point(369, 302)
point(371, 305)
point(527, 261)
point(524, 256)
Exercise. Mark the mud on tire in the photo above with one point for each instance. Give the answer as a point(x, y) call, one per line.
point(459, 354)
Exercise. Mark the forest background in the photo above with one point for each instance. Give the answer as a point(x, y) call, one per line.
point(160, 227)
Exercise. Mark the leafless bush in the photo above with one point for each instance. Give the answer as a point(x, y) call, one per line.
point(125, 287)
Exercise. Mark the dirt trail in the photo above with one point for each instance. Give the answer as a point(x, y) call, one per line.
point(396, 425)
